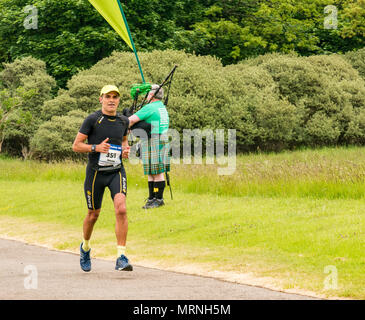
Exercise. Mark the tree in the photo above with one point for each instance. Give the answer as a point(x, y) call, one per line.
point(234, 30)
point(26, 86)
point(70, 35)
point(7, 106)
point(224, 32)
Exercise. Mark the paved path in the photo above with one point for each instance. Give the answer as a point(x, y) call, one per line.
point(59, 277)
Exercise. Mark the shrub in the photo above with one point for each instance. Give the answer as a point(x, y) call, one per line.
point(204, 95)
point(357, 60)
point(13, 73)
point(27, 83)
point(274, 101)
point(255, 109)
point(53, 139)
point(327, 92)
point(59, 106)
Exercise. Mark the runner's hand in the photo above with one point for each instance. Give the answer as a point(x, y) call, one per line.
point(126, 151)
point(103, 147)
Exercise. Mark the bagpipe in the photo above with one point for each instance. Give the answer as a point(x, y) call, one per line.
point(144, 89)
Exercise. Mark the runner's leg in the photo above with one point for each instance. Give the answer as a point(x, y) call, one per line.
point(121, 223)
point(94, 190)
point(89, 222)
point(118, 191)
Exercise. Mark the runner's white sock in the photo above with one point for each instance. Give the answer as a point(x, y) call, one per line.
point(85, 245)
point(120, 250)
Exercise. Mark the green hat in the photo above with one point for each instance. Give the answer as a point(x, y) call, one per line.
point(109, 88)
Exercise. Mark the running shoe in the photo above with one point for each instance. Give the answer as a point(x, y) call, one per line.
point(122, 264)
point(85, 261)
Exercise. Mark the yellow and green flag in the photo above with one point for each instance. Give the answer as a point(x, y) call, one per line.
point(112, 12)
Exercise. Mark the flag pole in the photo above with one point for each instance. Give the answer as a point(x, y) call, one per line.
point(130, 37)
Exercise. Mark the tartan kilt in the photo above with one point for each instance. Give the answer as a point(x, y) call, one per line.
point(155, 155)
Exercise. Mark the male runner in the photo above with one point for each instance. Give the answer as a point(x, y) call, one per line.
point(106, 134)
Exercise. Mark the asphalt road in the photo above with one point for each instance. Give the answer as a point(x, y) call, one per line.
point(31, 272)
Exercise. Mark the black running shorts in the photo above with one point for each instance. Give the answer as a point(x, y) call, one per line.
point(96, 181)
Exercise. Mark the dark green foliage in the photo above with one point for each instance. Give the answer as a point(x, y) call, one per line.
point(72, 36)
point(234, 30)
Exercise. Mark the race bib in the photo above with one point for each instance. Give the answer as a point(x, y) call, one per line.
point(112, 158)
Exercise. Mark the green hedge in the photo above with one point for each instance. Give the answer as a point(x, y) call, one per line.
point(274, 101)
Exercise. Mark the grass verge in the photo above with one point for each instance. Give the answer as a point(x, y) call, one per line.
point(287, 237)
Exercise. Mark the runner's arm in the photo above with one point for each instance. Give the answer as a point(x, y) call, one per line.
point(79, 144)
point(125, 147)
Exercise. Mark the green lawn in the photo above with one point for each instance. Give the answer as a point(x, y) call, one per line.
point(286, 216)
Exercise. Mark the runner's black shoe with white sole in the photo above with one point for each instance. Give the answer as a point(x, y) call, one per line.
point(122, 264)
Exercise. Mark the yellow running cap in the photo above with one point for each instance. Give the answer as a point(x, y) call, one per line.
point(109, 88)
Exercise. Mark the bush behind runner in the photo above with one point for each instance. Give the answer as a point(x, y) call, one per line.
point(275, 101)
